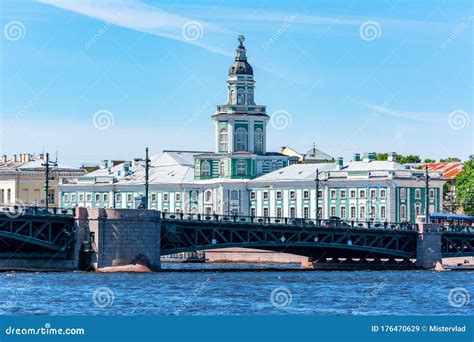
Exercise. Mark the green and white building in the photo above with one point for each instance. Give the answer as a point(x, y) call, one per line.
point(240, 177)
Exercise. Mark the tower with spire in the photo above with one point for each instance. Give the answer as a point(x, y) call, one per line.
point(240, 129)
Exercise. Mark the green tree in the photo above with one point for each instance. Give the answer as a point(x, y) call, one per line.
point(465, 188)
point(428, 160)
point(449, 160)
point(410, 159)
point(381, 156)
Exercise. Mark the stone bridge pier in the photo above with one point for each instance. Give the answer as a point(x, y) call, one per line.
point(118, 237)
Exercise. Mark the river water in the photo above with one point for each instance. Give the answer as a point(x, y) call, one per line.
point(229, 289)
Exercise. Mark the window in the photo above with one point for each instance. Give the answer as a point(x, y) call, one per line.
point(9, 195)
point(193, 209)
point(241, 167)
point(383, 213)
point(383, 193)
point(373, 193)
point(81, 197)
point(208, 210)
point(240, 97)
point(333, 194)
point(292, 195)
point(320, 194)
point(223, 140)
point(252, 212)
point(279, 212)
point(97, 197)
point(333, 211)
point(362, 212)
point(417, 194)
point(178, 197)
point(432, 194)
point(362, 193)
point(205, 169)
point(372, 212)
point(153, 198)
point(73, 198)
point(306, 212)
point(241, 139)
point(278, 195)
point(252, 195)
point(129, 197)
point(265, 195)
point(353, 194)
point(320, 212)
point(89, 197)
point(165, 197)
point(403, 193)
point(403, 212)
point(343, 194)
point(258, 135)
point(66, 198)
point(2, 196)
point(234, 195)
point(343, 212)
point(222, 168)
point(208, 196)
point(118, 197)
point(306, 194)
point(353, 212)
point(106, 197)
point(194, 195)
point(265, 212)
point(417, 209)
point(292, 212)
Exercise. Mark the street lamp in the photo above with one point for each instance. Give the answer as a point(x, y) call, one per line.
point(47, 164)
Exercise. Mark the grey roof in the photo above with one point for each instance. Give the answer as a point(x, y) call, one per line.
point(315, 154)
point(296, 172)
point(375, 165)
point(36, 165)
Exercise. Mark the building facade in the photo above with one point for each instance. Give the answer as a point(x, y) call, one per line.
point(240, 177)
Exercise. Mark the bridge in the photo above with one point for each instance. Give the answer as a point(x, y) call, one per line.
point(61, 234)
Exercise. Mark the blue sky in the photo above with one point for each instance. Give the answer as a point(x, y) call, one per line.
point(352, 76)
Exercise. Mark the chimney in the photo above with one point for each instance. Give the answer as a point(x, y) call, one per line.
point(40, 156)
point(392, 156)
point(104, 164)
point(339, 163)
point(368, 157)
point(356, 157)
point(27, 158)
point(4, 158)
point(15, 159)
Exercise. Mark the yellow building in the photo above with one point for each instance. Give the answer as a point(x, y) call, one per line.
point(22, 180)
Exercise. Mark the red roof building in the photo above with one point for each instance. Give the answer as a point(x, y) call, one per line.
point(449, 170)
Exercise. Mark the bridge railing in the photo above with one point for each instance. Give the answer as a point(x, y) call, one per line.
point(297, 222)
point(18, 210)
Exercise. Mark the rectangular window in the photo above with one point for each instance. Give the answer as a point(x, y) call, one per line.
point(9, 195)
point(353, 212)
point(97, 197)
point(265, 212)
point(362, 212)
point(279, 212)
point(333, 211)
point(320, 194)
point(403, 193)
point(118, 197)
point(66, 198)
point(129, 197)
point(153, 198)
point(362, 193)
point(343, 194)
point(106, 197)
point(292, 195)
point(73, 198)
point(333, 194)
point(372, 212)
point(403, 214)
point(343, 212)
point(193, 195)
point(383, 212)
point(432, 194)
point(292, 212)
point(417, 193)
point(81, 197)
point(353, 194)
point(372, 193)
point(252, 212)
point(234, 195)
point(383, 193)
point(306, 212)
point(265, 195)
point(165, 197)
point(178, 197)
point(252, 195)
point(306, 194)
point(278, 195)
point(89, 197)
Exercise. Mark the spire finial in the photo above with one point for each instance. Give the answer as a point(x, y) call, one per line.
point(241, 40)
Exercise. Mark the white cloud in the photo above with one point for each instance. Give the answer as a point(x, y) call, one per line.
point(422, 117)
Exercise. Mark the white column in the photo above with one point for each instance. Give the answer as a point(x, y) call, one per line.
point(230, 136)
point(216, 126)
point(251, 128)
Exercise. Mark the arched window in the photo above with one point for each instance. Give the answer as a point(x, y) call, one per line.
point(232, 96)
point(241, 166)
point(222, 169)
point(208, 196)
point(241, 139)
point(240, 97)
point(417, 209)
point(250, 96)
point(258, 135)
point(223, 140)
point(403, 212)
point(205, 169)
point(417, 193)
